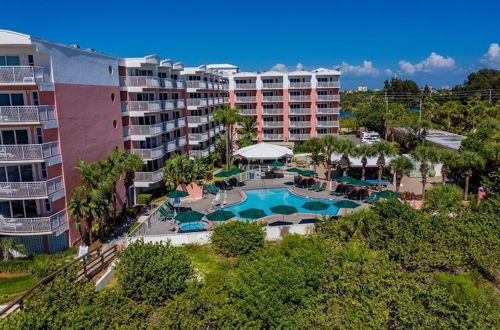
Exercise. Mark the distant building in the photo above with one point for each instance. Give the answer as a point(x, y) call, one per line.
point(446, 87)
point(224, 69)
point(362, 88)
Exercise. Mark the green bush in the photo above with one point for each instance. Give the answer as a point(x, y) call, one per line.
point(238, 238)
point(153, 272)
point(299, 148)
point(144, 199)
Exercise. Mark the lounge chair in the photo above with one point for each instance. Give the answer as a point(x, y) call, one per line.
point(212, 189)
point(321, 188)
point(167, 214)
point(337, 191)
point(314, 186)
point(168, 206)
point(373, 198)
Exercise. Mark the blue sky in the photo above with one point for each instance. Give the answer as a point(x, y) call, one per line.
point(434, 42)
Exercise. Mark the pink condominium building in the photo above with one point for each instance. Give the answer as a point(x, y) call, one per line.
point(290, 106)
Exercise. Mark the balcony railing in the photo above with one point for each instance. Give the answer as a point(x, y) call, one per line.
point(328, 98)
point(300, 85)
point(244, 99)
point(328, 111)
point(33, 225)
point(152, 153)
point(180, 84)
point(274, 98)
point(198, 120)
point(246, 86)
point(140, 81)
point(299, 111)
point(155, 129)
point(274, 111)
point(302, 123)
point(167, 83)
point(199, 153)
point(197, 84)
point(248, 112)
point(225, 86)
point(37, 189)
point(300, 136)
point(28, 152)
point(300, 98)
point(272, 124)
point(149, 177)
point(141, 106)
point(21, 75)
point(174, 145)
point(327, 123)
point(26, 114)
point(272, 85)
point(226, 99)
point(196, 102)
point(198, 137)
point(328, 84)
point(272, 136)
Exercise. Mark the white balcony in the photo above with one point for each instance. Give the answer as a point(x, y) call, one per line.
point(140, 81)
point(197, 102)
point(272, 124)
point(245, 99)
point(168, 83)
point(146, 130)
point(300, 137)
point(300, 85)
point(194, 121)
point(299, 98)
point(24, 75)
point(328, 98)
point(299, 111)
point(144, 179)
point(199, 153)
point(195, 138)
point(327, 123)
point(225, 87)
point(246, 86)
point(175, 145)
point(28, 152)
point(272, 137)
point(328, 84)
point(149, 154)
point(141, 106)
point(327, 111)
point(226, 99)
point(179, 103)
point(274, 111)
point(274, 98)
point(37, 189)
point(27, 114)
point(35, 225)
point(197, 84)
point(302, 123)
point(272, 85)
point(248, 112)
point(180, 84)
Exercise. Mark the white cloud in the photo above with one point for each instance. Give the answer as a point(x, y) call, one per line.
point(432, 63)
point(279, 67)
point(367, 69)
point(300, 67)
point(388, 72)
point(492, 57)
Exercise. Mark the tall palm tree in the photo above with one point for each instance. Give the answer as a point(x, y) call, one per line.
point(401, 165)
point(329, 143)
point(426, 155)
point(449, 110)
point(443, 198)
point(227, 116)
point(248, 127)
point(383, 149)
point(201, 169)
point(315, 145)
point(131, 163)
point(468, 160)
point(364, 151)
point(345, 148)
point(177, 170)
point(448, 159)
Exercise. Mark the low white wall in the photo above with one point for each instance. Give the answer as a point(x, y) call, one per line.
point(104, 280)
point(273, 233)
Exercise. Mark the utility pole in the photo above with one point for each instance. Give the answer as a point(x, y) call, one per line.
point(386, 114)
point(420, 110)
point(489, 98)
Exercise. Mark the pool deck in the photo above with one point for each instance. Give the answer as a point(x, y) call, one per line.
point(234, 196)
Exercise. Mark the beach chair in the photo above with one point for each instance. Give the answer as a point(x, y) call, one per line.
point(337, 191)
point(314, 186)
point(373, 198)
point(321, 188)
point(212, 189)
point(167, 214)
point(168, 206)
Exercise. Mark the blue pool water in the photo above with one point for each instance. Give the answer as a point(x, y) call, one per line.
point(264, 199)
point(193, 226)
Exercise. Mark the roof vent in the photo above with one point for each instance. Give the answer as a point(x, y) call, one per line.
point(91, 50)
point(75, 46)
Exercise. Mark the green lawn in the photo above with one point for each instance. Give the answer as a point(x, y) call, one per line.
point(11, 287)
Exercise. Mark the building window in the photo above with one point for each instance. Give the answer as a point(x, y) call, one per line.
point(47, 208)
point(11, 99)
point(6, 60)
point(39, 135)
point(31, 60)
point(43, 170)
point(36, 100)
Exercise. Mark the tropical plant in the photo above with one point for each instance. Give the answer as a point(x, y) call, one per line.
point(345, 148)
point(238, 238)
point(8, 244)
point(469, 160)
point(449, 111)
point(130, 163)
point(447, 158)
point(443, 199)
point(178, 170)
point(315, 146)
point(364, 151)
point(426, 155)
point(401, 165)
point(202, 168)
point(383, 149)
point(248, 127)
point(329, 143)
point(227, 116)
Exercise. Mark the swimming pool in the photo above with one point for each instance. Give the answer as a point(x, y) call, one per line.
point(266, 198)
point(193, 226)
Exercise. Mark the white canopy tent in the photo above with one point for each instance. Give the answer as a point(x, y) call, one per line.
point(264, 151)
point(356, 161)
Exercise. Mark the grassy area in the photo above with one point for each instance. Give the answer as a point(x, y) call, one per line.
point(11, 287)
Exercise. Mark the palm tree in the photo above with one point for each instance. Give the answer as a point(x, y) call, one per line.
point(401, 165)
point(443, 198)
point(201, 169)
point(248, 127)
point(227, 116)
point(447, 158)
point(131, 163)
point(383, 149)
point(345, 148)
point(469, 160)
point(329, 143)
point(364, 151)
point(426, 155)
point(315, 146)
point(177, 170)
point(7, 244)
point(448, 110)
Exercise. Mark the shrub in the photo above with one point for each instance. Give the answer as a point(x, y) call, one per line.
point(153, 272)
point(238, 238)
point(144, 199)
